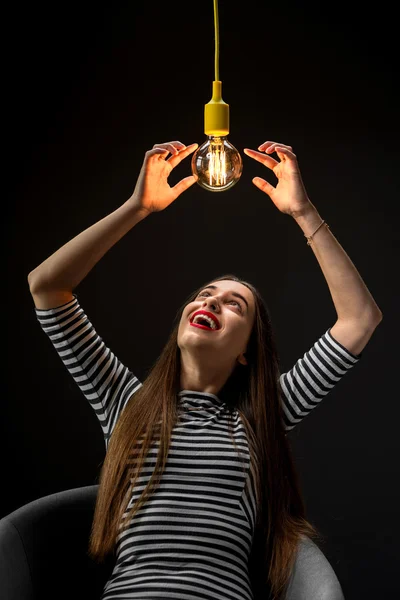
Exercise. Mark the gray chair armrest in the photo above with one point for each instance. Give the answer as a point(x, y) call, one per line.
point(43, 549)
point(313, 577)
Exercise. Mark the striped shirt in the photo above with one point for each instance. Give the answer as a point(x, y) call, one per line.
point(192, 538)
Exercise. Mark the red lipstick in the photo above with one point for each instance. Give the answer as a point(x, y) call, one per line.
point(208, 314)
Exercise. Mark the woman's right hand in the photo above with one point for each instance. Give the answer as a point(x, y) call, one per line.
point(152, 191)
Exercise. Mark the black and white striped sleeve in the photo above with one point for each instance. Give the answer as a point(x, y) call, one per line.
point(105, 382)
point(312, 377)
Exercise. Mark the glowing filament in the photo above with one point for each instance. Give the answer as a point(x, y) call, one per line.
point(217, 165)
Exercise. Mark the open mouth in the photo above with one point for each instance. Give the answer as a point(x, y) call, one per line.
point(203, 324)
point(205, 320)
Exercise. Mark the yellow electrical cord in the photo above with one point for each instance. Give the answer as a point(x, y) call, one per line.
point(216, 112)
point(216, 28)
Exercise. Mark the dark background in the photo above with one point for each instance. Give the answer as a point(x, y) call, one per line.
point(90, 88)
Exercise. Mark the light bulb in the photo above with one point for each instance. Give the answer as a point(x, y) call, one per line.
point(216, 164)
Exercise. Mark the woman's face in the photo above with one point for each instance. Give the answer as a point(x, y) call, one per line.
point(230, 306)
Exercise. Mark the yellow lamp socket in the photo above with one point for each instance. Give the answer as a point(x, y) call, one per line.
point(216, 113)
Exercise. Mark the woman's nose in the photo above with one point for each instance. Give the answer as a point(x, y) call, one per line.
point(212, 303)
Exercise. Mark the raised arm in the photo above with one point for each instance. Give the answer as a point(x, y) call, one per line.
point(313, 376)
point(357, 312)
point(104, 380)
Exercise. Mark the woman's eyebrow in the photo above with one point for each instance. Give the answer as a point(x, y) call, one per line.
point(214, 287)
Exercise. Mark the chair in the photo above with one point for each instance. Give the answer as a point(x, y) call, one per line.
point(43, 554)
point(43, 549)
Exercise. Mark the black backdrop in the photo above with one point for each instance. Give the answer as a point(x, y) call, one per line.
point(89, 88)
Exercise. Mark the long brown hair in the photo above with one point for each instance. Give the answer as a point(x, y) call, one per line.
point(255, 393)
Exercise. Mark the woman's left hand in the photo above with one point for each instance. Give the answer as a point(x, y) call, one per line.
point(289, 195)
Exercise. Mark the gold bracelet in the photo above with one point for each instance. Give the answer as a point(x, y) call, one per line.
point(309, 237)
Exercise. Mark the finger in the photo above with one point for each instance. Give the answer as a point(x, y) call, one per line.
point(173, 147)
point(267, 161)
point(270, 146)
point(157, 152)
point(177, 158)
point(167, 147)
point(178, 145)
point(284, 153)
point(183, 185)
point(263, 185)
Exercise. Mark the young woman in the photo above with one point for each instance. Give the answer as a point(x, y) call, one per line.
point(198, 494)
